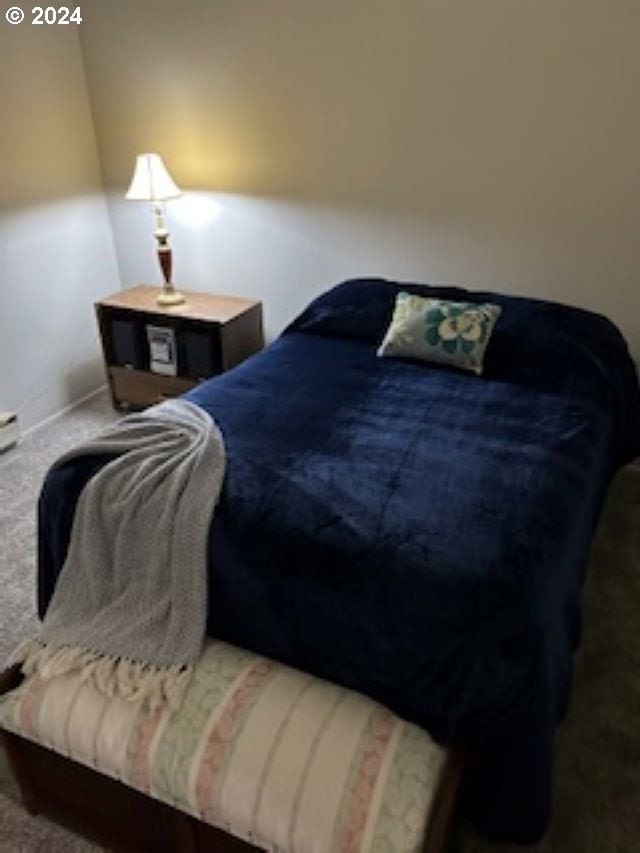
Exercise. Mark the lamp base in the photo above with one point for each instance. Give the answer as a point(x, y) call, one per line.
point(171, 297)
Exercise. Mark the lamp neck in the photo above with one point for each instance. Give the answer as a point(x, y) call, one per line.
point(164, 249)
point(158, 215)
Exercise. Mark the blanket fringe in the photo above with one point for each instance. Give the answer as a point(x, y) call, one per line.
point(134, 681)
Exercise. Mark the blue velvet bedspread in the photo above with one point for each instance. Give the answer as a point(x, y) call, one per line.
point(415, 532)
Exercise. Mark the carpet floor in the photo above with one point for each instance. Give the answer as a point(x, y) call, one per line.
point(597, 796)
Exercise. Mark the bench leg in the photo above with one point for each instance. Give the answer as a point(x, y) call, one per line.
point(441, 835)
point(21, 772)
point(10, 679)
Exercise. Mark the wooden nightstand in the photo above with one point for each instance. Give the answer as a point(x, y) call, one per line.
point(203, 336)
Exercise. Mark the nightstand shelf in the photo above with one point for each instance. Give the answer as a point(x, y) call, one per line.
point(208, 333)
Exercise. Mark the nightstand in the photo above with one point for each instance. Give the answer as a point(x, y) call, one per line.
point(153, 352)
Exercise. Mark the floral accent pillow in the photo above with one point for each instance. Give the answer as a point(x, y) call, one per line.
point(453, 333)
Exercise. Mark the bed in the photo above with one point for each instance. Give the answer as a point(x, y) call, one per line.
point(412, 531)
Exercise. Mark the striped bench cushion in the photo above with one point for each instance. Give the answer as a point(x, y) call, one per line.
point(269, 754)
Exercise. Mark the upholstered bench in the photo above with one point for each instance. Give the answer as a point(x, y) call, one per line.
point(272, 756)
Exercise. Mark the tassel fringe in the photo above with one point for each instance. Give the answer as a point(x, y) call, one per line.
point(134, 681)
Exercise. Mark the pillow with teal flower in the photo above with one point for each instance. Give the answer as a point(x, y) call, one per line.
point(453, 333)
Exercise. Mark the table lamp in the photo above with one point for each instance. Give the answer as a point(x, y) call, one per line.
point(152, 182)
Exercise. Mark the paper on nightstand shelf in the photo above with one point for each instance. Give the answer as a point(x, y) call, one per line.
point(162, 350)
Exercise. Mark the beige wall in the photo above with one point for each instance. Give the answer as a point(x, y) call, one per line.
point(56, 245)
point(492, 143)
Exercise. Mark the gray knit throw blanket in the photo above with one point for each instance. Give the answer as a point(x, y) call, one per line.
point(130, 605)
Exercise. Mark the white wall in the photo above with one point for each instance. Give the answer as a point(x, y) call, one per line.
point(56, 246)
point(494, 144)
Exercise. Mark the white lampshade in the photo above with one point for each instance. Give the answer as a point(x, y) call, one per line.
point(151, 181)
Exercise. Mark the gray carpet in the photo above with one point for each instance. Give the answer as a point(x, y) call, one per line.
point(597, 798)
point(21, 473)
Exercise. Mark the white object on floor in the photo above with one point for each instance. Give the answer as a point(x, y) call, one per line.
point(9, 430)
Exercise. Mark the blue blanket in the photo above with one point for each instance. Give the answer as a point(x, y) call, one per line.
point(411, 531)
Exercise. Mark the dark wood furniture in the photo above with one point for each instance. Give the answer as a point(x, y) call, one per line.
point(106, 811)
point(212, 334)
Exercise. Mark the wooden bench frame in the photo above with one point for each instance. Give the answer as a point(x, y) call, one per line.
point(123, 819)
